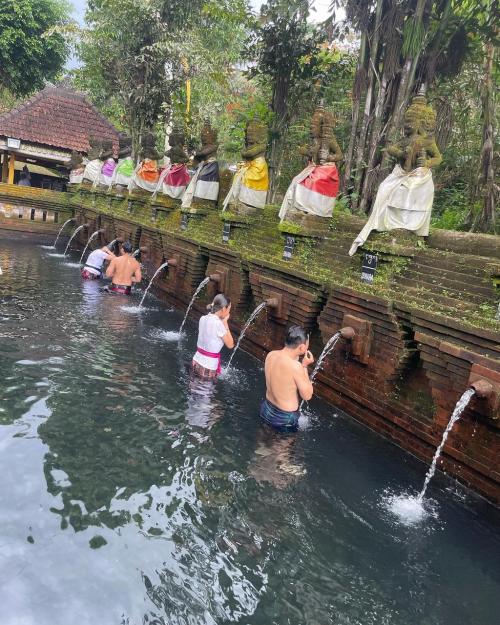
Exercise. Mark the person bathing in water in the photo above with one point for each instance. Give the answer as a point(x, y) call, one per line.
point(213, 334)
point(123, 271)
point(95, 262)
point(287, 381)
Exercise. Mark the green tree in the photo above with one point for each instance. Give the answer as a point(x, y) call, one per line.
point(31, 49)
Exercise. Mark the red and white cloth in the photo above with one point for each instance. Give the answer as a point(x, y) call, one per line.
point(313, 191)
point(173, 181)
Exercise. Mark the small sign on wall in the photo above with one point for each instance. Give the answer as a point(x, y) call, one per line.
point(369, 267)
point(226, 232)
point(289, 247)
point(184, 221)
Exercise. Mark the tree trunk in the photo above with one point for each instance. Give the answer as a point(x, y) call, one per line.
point(360, 152)
point(486, 219)
point(357, 93)
point(280, 109)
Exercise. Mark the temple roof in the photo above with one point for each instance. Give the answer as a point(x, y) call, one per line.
point(58, 117)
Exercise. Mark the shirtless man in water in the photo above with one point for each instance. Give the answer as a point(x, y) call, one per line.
point(287, 381)
point(123, 271)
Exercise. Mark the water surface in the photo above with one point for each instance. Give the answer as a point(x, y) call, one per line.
point(130, 494)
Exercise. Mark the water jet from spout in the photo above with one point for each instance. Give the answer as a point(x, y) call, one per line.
point(249, 322)
point(92, 236)
point(172, 262)
point(61, 229)
point(73, 236)
point(202, 284)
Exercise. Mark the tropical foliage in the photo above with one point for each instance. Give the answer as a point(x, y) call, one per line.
point(31, 49)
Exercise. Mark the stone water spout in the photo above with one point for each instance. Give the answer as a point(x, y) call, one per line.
point(92, 236)
point(272, 302)
point(73, 236)
point(172, 262)
point(482, 388)
point(142, 250)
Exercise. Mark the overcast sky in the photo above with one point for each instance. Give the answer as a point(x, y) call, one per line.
point(321, 6)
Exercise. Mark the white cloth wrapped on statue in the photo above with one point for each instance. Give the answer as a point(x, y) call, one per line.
point(173, 181)
point(76, 175)
point(107, 172)
point(123, 172)
point(313, 191)
point(93, 171)
point(404, 200)
point(204, 185)
point(250, 184)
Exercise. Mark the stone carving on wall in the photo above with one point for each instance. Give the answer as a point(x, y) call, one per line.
point(251, 182)
point(204, 185)
point(404, 199)
point(174, 178)
point(94, 164)
point(146, 174)
point(124, 170)
point(315, 189)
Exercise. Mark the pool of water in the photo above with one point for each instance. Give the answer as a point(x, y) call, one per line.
point(130, 494)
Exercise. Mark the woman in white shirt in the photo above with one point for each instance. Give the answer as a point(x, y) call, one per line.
point(213, 334)
point(95, 262)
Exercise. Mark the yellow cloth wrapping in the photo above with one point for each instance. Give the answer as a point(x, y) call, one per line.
point(250, 184)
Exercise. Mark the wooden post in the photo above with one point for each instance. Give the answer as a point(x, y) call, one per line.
point(12, 162)
point(5, 166)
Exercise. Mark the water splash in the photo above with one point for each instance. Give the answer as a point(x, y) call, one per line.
point(202, 284)
point(61, 229)
point(151, 282)
point(136, 253)
point(329, 347)
point(461, 405)
point(72, 237)
point(249, 322)
point(410, 509)
point(92, 236)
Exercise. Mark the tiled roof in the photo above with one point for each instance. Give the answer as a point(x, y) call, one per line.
point(58, 117)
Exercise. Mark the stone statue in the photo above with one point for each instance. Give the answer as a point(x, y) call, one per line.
point(175, 177)
point(204, 185)
point(94, 164)
point(109, 164)
point(77, 167)
point(250, 184)
point(125, 168)
point(405, 197)
point(147, 172)
point(315, 189)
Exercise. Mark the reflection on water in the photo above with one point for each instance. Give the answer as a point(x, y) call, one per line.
point(132, 493)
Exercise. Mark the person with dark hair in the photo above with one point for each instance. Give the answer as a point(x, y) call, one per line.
point(95, 262)
point(287, 381)
point(124, 271)
point(213, 334)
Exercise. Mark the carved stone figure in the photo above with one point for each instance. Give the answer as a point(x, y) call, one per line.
point(315, 189)
point(204, 185)
point(175, 177)
point(250, 184)
point(147, 173)
point(125, 168)
point(404, 199)
point(77, 167)
point(94, 164)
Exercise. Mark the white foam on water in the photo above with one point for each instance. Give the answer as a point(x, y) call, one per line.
point(408, 509)
point(304, 422)
point(133, 310)
point(48, 247)
point(169, 335)
point(73, 265)
point(56, 255)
